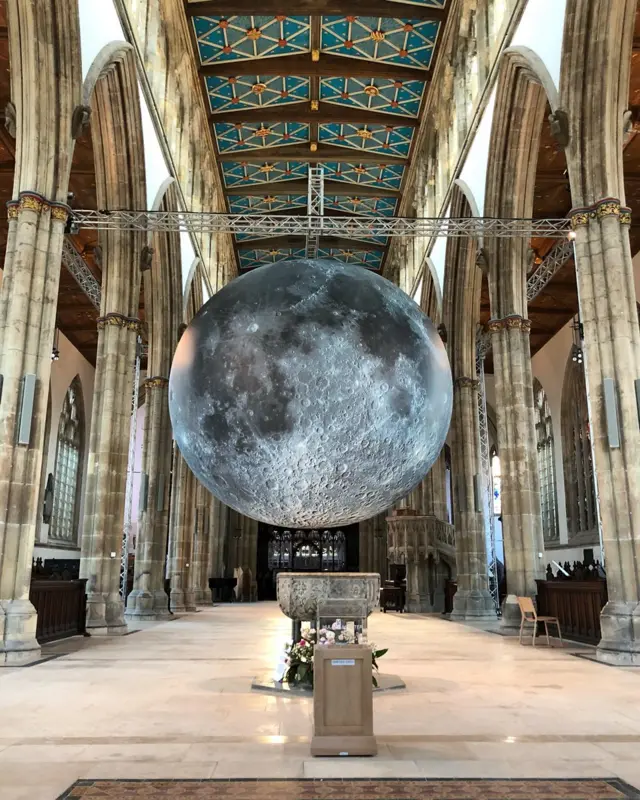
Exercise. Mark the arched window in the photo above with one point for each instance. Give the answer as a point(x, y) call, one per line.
point(496, 482)
point(68, 469)
point(449, 483)
point(579, 485)
point(546, 464)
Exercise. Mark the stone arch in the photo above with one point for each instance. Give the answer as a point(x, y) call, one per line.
point(462, 287)
point(111, 91)
point(163, 287)
point(431, 293)
point(594, 92)
point(521, 99)
point(193, 291)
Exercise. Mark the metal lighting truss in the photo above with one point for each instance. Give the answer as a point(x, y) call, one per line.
point(128, 497)
point(83, 276)
point(314, 225)
point(554, 261)
point(315, 210)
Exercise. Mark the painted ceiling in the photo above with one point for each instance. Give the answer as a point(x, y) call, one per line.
point(340, 91)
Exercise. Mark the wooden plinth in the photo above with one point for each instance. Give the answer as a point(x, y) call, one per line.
point(343, 702)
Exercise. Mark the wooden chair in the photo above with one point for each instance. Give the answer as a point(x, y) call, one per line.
point(530, 615)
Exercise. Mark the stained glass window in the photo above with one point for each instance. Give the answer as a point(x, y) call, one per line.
point(66, 494)
point(577, 456)
point(546, 464)
point(496, 482)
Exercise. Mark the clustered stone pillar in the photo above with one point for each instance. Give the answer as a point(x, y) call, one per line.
point(120, 184)
point(609, 317)
point(521, 521)
point(46, 90)
point(106, 473)
point(200, 552)
point(181, 522)
point(219, 530)
point(373, 545)
point(148, 599)
point(472, 599)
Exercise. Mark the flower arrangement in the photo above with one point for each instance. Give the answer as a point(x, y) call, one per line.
point(299, 660)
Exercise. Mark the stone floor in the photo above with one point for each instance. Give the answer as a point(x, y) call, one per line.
point(172, 700)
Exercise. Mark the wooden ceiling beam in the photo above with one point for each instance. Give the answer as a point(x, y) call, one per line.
point(533, 311)
point(300, 112)
point(328, 66)
point(363, 8)
point(324, 154)
point(283, 242)
point(301, 187)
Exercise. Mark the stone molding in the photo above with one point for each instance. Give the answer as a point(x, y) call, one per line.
point(512, 322)
point(608, 207)
point(119, 321)
point(32, 201)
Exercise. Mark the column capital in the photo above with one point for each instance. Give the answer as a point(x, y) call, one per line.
point(512, 322)
point(32, 201)
point(155, 382)
point(607, 207)
point(119, 321)
point(464, 382)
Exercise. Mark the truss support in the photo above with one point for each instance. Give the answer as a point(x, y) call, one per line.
point(482, 348)
point(131, 463)
point(554, 262)
point(294, 225)
point(77, 267)
point(315, 210)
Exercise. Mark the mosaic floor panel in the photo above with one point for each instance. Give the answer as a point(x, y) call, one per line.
point(605, 789)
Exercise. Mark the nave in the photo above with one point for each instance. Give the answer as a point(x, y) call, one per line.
point(173, 700)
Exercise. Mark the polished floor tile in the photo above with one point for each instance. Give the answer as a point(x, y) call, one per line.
point(174, 701)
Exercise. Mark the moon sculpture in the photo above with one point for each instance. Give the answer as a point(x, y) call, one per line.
point(310, 394)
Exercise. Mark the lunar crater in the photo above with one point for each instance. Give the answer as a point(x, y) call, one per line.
point(313, 394)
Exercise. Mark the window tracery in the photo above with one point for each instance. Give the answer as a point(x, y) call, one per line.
point(577, 456)
point(69, 457)
point(546, 464)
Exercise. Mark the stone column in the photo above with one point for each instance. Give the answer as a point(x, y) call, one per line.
point(472, 599)
point(116, 132)
point(200, 557)
point(107, 472)
point(609, 317)
point(46, 77)
point(181, 519)
point(595, 98)
point(521, 521)
point(372, 536)
point(219, 529)
point(148, 599)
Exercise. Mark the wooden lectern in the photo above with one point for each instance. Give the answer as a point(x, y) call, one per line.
point(343, 702)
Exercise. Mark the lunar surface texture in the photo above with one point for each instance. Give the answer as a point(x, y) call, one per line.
point(310, 394)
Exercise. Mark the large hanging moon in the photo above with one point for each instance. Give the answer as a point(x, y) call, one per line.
point(310, 394)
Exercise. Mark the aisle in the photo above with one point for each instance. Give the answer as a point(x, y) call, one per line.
point(173, 701)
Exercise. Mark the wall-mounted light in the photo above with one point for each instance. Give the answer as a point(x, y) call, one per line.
point(55, 350)
point(576, 348)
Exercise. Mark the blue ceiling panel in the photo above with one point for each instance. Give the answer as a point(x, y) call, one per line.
point(409, 43)
point(237, 175)
point(393, 140)
point(253, 135)
point(255, 91)
point(222, 39)
point(374, 94)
